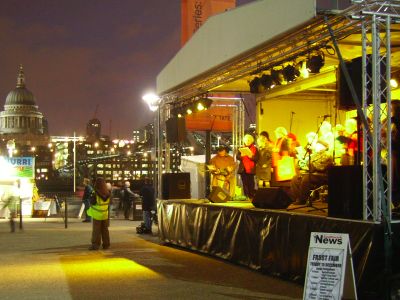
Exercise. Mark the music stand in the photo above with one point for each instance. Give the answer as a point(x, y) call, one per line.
point(309, 202)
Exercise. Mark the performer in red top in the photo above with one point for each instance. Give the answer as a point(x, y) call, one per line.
point(248, 156)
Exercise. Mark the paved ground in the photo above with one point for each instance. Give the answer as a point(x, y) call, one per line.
point(47, 261)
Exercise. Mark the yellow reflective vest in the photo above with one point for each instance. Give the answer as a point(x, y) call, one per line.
point(99, 211)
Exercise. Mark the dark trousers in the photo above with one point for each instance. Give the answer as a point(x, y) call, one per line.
point(100, 233)
point(127, 209)
point(87, 206)
point(248, 185)
point(302, 184)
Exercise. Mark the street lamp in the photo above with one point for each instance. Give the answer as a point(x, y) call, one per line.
point(152, 101)
point(10, 147)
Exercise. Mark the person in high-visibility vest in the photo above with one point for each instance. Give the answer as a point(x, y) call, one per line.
point(99, 208)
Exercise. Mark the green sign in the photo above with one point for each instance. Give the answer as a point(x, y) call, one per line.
point(23, 167)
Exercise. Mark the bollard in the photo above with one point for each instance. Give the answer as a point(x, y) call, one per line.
point(66, 213)
point(20, 213)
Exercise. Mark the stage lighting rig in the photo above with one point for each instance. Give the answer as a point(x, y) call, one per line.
point(315, 62)
point(290, 73)
point(266, 81)
point(202, 104)
point(255, 85)
point(277, 77)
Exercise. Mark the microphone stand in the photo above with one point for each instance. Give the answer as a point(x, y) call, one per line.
point(309, 202)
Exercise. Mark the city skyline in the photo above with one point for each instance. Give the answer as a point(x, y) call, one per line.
point(93, 59)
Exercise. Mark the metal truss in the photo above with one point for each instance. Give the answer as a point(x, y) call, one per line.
point(377, 17)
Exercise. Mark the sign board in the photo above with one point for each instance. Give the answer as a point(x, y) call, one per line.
point(22, 167)
point(216, 118)
point(194, 13)
point(329, 272)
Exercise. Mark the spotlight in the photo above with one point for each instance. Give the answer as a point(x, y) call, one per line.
point(290, 73)
point(393, 83)
point(266, 81)
point(315, 62)
point(189, 111)
point(277, 77)
point(203, 104)
point(255, 85)
point(302, 68)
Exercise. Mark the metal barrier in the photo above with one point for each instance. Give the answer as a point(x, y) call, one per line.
point(63, 200)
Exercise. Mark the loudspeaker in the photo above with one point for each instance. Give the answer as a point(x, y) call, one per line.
point(354, 67)
point(218, 195)
point(273, 197)
point(175, 185)
point(176, 130)
point(345, 192)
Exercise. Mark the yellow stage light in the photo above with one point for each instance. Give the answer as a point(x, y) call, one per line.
point(393, 83)
point(200, 106)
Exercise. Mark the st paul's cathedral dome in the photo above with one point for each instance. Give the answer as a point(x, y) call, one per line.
point(21, 118)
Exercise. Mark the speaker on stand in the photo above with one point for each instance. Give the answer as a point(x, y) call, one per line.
point(345, 192)
point(175, 186)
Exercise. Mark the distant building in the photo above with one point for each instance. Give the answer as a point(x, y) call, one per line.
point(21, 119)
point(93, 129)
point(23, 123)
point(138, 135)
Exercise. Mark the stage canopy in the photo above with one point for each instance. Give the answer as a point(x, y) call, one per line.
point(234, 47)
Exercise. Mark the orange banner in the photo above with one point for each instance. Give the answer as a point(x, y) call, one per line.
point(194, 13)
point(218, 119)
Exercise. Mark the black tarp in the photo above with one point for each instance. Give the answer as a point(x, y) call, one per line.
point(274, 242)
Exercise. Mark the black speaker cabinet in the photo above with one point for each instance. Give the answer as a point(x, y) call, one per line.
point(354, 67)
point(218, 195)
point(273, 197)
point(345, 192)
point(176, 130)
point(175, 185)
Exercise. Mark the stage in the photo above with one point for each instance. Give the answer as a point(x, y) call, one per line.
point(273, 241)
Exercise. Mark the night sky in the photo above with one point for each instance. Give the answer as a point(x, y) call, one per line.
point(81, 54)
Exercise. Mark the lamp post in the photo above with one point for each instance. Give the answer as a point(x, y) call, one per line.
point(10, 147)
point(153, 102)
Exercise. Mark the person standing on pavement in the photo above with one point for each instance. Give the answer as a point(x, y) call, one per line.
point(10, 198)
point(148, 202)
point(86, 198)
point(127, 197)
point(99, 207)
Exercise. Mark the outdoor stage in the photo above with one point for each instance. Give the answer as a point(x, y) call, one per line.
point(272, 241)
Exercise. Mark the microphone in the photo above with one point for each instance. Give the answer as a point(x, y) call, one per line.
point(292, 112)
point(324, 116)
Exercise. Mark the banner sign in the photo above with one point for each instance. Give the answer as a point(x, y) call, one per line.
point(217, 119)
point(22, 167)
point(194, 13)
point(330, 272)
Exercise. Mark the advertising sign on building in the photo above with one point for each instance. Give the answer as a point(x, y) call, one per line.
point(194, 13)
point(21, 167)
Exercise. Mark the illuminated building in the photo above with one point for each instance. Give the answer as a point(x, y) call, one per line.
point(22, 122)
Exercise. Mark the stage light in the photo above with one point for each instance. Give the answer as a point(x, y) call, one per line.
point(393, 83)
point(290, 73)
point(277, 77)
point(302, 68)
point(266, 81)
point(255, 85)
point(189, 111)
point(202, 104)
point(315, 62)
